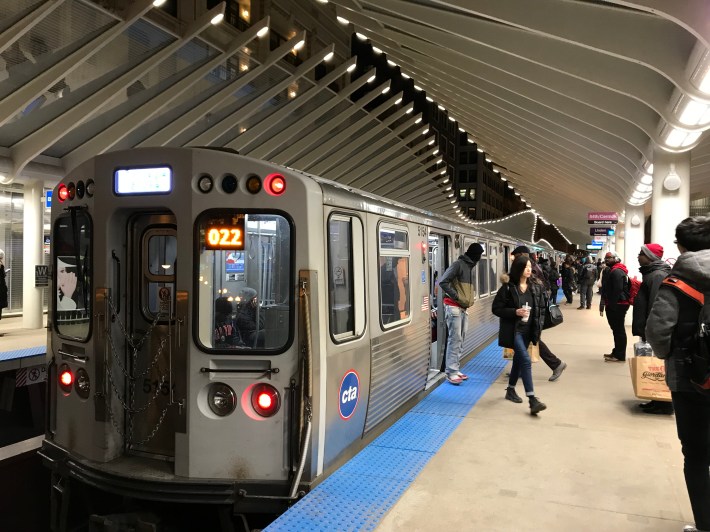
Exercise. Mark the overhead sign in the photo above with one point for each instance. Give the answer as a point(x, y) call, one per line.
point(602, 218)
point(601, 231)
point(595, 246)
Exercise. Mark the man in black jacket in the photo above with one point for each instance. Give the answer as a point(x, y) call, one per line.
point(615, 299)
point(538, 277)
point(653, 270)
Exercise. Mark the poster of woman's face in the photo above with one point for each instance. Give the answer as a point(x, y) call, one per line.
point(67, 284)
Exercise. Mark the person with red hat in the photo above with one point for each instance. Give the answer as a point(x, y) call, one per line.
point(653, 270)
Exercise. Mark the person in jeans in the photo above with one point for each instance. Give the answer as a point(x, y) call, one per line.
point(653, 270)
point(538, 277)
point(671, 329)
point(615, 300)
point(458, 284)
point(520, 305)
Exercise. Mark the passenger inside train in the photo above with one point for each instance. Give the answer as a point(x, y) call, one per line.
point(249, 319)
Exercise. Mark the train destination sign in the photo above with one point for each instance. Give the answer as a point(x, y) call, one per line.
point(602, 218)
point(225, 236)
point(601, 231)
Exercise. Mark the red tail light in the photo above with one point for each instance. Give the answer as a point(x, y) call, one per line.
point(63, 192)
point(275, 184)
point(66, 378)
point(265, 400)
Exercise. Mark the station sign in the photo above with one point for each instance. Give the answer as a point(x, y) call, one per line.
point(601, 231)
point(48, 199)
point(595, 246)
point(602, 218)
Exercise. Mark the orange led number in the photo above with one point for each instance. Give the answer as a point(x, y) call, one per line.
point(224, 238)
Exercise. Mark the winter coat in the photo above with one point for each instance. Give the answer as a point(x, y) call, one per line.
point(673, 321)
point(614, 287)
point(652, 275)
point(507, 301)
point(567, 277)
point(3, 287)
point(458, 282)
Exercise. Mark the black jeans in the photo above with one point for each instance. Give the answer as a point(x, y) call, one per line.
point(547, 356)
point(567, 290)
point(615, 315)
point(692, 418)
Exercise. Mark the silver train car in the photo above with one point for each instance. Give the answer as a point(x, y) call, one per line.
point(227, 332)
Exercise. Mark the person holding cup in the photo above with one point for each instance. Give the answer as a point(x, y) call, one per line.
point(520, 304)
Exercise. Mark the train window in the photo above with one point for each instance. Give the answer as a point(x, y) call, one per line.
point(244, 285)
point(482, 270)
point(72, 254)
point(506, 258)
point(394, 275)
point(159, 263)
point(493, 268)
point(346, 277)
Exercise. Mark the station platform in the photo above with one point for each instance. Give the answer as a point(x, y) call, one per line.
point(19, 347)
point(467, 459)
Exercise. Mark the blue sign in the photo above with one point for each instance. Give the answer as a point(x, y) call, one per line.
point(349, 394)
point(48, 199)
point(611, 232)
point(234, 262)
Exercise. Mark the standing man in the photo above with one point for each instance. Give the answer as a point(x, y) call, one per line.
point(653, 270)
point(538, 277)
point(671, 330)
point(587, 278)
point(615, 299)
point(458, 285)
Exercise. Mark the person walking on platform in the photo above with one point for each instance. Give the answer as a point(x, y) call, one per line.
point(458, 285)
point(567, 274)
point(538, 277)
point(615, 300)
point(653, 270)
point(587, 278)
point(519, 304)
point(671, 330)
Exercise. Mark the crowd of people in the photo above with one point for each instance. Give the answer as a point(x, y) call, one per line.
point(666, 306)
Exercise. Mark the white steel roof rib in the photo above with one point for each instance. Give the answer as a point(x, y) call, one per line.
point(568, 98)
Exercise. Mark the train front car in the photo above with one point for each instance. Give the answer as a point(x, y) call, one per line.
point(177, 370)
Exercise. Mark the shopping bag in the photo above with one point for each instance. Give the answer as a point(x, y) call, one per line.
point(508, 353)
point(643, 349)
point(534, 352)
point(648, 377)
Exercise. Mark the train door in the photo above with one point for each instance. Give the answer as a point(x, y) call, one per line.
point(150, 351)
point(438, 262)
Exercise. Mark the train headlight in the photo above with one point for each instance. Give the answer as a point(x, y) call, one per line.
point(66, 378)
point(205, 183)
point(222, 399)
point(265, 400)
point(275, 184)
point(90, 187)
point(254, 184)
point(82, 385)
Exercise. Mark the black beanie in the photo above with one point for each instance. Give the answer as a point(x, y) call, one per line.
point(474, 252)
point(521, 249)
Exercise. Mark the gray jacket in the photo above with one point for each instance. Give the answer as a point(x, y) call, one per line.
point(458, 281)
point(672, 310)
point(653, 275)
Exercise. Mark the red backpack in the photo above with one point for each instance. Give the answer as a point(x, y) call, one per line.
point(632, 288)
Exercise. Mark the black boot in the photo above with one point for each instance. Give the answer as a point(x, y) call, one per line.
point(535, 405)
point(511, 395)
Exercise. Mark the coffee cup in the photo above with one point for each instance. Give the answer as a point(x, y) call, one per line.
point(526, 316)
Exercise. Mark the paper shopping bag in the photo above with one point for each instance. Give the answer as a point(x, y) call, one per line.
point(648, 377)
point(534, 352)
point(508, 353)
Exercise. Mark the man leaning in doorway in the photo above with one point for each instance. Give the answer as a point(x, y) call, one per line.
point(538, 276)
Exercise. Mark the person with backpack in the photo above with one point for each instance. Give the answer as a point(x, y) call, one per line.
point(653, 271)
point(587, 278)
point(672, 330)
point(615, 300)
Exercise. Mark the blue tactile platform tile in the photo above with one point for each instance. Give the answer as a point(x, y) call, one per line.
point(23, 353)
point(359, 494)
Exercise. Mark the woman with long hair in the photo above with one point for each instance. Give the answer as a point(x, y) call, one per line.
point(520, 305)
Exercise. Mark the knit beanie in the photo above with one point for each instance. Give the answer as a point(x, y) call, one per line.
point(521, 249)
point(652, 251)
point(474, 252)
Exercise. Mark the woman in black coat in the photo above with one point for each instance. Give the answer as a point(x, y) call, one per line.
point(520, 306)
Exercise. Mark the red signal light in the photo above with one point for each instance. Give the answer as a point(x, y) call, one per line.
point(66, 378)
point(275, 184)
point(265, 400)
point(63, 192)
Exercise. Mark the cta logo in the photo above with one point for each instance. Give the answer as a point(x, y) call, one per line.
point(349, 394)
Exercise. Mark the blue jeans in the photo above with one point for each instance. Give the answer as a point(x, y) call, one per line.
point(456, 323)
point(522, 365)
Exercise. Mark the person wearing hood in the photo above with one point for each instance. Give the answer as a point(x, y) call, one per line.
point(458, 284)
point(615, 299)
point(249, 320)
point(671, 330)
point(653, 270)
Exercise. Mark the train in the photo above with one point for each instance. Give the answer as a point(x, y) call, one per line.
point(227, 332)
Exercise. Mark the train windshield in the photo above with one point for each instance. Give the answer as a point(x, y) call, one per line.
point(244, 281)
point(71, 244)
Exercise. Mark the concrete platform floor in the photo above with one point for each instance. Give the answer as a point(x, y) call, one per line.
point(13, 336)
point(591, 462)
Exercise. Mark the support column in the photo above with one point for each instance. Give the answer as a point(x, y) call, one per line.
point(633, 236)
point(669, 207)
point(32, 254)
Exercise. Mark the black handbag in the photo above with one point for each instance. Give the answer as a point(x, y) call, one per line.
point(553, 317)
